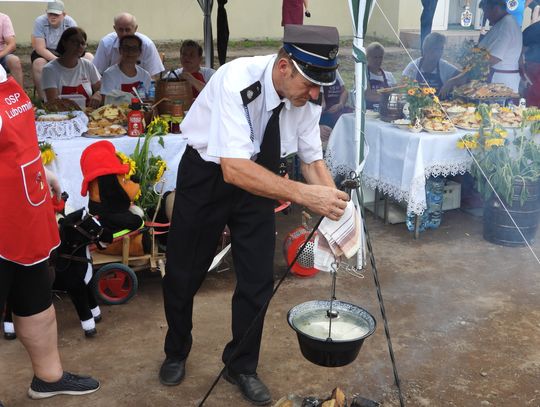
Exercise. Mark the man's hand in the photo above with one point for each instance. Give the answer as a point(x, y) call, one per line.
point(323, 200)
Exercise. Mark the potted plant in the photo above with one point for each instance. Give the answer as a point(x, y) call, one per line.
point(506, 169)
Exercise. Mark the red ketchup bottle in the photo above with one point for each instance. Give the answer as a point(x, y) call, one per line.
point(135, 119)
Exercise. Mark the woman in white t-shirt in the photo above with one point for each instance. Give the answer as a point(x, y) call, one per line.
point(431, 69)
point(126, 75)
point(377, 77)
point(69, 73)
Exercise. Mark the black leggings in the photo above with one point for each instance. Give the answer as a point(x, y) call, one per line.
point(27, 288)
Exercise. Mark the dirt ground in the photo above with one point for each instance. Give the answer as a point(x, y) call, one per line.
point(464, 317)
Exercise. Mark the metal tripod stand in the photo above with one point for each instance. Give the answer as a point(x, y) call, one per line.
point(350, 184)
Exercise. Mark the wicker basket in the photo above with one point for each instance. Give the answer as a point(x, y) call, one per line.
point(174, 90)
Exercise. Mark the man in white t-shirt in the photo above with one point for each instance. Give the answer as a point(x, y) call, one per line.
point(48, 29)
point(108, 54)
point(126, 74)
point(431, 69)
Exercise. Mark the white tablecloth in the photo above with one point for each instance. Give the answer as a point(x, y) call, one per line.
point(68, 153)
point(398, 161)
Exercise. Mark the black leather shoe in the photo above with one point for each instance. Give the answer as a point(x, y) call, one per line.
point(172, 371)
point(252, 388)
point(90, 333)
point(10, 336)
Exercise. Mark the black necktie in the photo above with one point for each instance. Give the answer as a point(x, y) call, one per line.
point(270, 152)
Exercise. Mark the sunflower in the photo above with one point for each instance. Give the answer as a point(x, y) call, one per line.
point(124, 159)
point(494, 142)
point(47, 153)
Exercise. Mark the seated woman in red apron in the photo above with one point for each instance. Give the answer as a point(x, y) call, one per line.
point(431, 69)
point(191, 70)
point(70, 74)
point(377, 77)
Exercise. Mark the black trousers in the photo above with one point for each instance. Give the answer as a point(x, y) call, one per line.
point(204, 204)
point(426, 19)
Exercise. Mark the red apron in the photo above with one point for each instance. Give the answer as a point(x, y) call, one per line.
point(29, 231)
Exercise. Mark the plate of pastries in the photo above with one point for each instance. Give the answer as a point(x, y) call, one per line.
point(107, 121)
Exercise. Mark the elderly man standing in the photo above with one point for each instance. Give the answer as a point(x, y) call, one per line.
point(108, 50)
point(47, 31)
point(250, 114)
point(10, 62)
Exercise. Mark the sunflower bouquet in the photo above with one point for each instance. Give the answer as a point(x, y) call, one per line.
point(502, 159)
point(419, 97)
point(146, 168)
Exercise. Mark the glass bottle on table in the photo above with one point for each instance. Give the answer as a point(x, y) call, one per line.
point(177, 113)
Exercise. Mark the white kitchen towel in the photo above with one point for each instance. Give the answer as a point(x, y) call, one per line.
point(344, 237)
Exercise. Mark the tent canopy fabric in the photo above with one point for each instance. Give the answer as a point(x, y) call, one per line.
point(206, 6)
point(360, 13)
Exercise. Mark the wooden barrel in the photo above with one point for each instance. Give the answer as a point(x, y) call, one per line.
point(498, 225)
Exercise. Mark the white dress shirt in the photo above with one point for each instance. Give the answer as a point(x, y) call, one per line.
point(108, 54)
point(219, 125)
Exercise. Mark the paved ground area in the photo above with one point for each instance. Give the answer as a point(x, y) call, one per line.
point(464, 315)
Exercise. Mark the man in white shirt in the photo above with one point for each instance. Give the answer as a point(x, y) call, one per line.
point(252, 112)
point(108, 50)
point(48, 29)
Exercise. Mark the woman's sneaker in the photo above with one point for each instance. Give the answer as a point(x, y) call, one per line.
point(70, 383)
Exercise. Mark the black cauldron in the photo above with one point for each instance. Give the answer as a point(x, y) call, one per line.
point(333, 347)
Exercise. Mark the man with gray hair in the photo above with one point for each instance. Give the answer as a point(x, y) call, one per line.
point(108, 50)
point(431, 69)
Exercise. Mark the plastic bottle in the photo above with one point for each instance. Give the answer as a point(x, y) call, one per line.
point(434, 200)
point(141, 90)
point(152, 91)
point(135, 119)
point(431, 218)
point(411, 219)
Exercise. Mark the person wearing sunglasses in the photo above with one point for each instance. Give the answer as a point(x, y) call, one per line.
point(126, 74)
